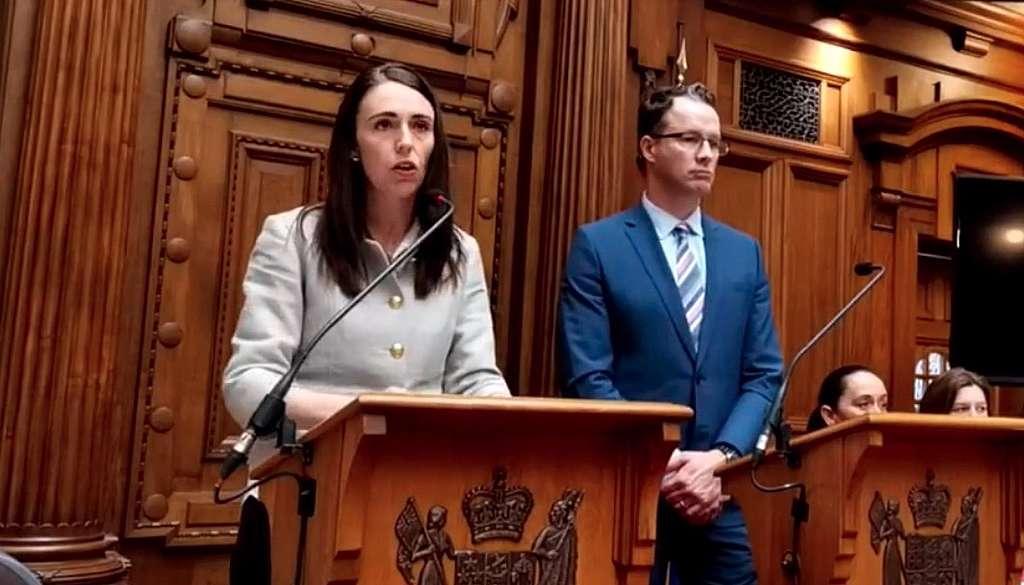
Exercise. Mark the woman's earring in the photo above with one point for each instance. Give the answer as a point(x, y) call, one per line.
point(354, 156)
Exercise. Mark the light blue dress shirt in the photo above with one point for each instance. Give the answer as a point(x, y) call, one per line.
point(664, 222)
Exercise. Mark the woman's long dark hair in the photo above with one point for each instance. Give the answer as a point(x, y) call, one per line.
point(832, 388)
point(342, 229)
point(940, 396)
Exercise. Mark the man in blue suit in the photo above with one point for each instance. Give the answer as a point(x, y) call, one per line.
point(662, 303)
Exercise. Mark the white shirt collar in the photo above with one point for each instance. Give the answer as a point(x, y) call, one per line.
point(665, 222)
point(407, 240)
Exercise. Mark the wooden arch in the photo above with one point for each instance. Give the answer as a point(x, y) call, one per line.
point(912, 156)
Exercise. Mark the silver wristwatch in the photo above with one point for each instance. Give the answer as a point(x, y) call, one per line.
point(730, 453)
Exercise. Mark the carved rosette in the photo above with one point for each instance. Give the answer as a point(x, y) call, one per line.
point(62, 293)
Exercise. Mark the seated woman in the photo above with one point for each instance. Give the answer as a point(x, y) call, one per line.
point(427, 329)
point(848, 392)
point(958, 392)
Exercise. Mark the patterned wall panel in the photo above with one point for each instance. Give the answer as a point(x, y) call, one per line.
point(780, 103)
point(247, 137)
point(267, 175)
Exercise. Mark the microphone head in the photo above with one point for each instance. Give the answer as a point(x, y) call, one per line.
point(438, 197)
point(865, 268)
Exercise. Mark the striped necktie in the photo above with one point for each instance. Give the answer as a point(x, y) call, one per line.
point(689, 280)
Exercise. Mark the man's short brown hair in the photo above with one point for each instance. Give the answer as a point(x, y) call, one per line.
point(658, 101)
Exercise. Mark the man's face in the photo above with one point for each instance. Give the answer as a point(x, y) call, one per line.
point(685, 163)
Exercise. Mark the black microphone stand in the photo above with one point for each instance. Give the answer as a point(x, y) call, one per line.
point(269, 417)
point(775, 424)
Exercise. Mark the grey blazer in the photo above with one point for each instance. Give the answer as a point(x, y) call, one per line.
point(441, 344)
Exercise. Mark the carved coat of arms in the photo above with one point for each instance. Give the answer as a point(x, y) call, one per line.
point(930, 556)
point(493, 512)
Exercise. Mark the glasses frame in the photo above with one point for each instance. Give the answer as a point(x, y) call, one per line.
point(723, 146)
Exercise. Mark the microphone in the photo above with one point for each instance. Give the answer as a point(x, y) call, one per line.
point(866, 268)
point(270, 412)
point(774, 419)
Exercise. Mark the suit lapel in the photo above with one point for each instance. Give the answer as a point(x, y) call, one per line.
point(712, 283)
point(640, 231)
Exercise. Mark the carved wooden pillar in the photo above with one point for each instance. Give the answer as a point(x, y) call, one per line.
point(62, 293)
point(585, 145)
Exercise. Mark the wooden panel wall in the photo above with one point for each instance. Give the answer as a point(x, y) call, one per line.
point(232, 115)
point(233, 112)
point(248, 102)
point(821, 199)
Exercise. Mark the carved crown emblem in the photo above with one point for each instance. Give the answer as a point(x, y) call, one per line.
point(929, 503)
point(497, 511)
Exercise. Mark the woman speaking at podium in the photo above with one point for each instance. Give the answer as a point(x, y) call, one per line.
point(427, 327)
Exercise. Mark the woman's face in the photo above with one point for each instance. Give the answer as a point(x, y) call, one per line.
point(863, 393)
point(970, 401)
point(395, 136)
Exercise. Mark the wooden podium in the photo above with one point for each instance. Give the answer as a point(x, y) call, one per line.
point(440, 490)
point(895, 499)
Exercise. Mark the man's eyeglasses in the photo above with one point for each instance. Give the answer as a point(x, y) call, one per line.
point(692, 141)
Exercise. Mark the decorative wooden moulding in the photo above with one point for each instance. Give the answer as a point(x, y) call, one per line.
point(155, 507)
point(506, 14)
point(503, 96)
point(185, 167)
point(780, 103)
point(162, 419)
point(486, 208)
point(170, 334)
point(927, 558)
point(194, 85)
point(888, 198)
point(493, 512)
point(972, 43)
point(490, 138)
point(178, 250)
point(362, 44)
point(192, 36)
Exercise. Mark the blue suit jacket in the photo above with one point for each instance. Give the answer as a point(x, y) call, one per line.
point(622, 333)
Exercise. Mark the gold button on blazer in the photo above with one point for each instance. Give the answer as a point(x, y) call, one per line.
point(440, 344)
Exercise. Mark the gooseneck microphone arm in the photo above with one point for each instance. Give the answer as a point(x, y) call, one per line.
point(774, 420)
point(800, 509)
point(268, 416)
